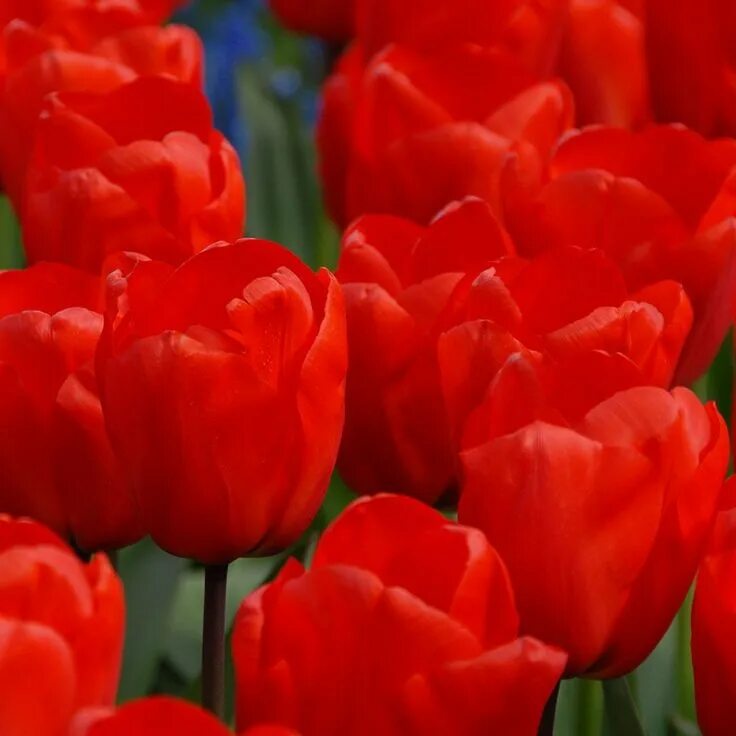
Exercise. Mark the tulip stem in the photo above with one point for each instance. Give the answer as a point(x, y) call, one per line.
point(213, 639)
point(547, 724)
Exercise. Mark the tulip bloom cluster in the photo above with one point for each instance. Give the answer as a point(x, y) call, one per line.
point(111, 161)
point(148, 364)
point(522, 296)
point(520, 303)
point(107, 139)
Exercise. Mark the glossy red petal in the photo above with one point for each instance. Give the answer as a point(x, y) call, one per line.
point(37, 679)
point(414, 547)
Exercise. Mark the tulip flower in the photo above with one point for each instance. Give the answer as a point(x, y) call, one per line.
point(56, 463)
point(619, 496)
point(330, 19)
point(222, 387)
point(160, 716)
point(713, 619)
point(405, 132)
point(701, 94)
point(223, 392)
point(660, 202)
point(405, 624)
point(38, 62)
point(139, 167)
point(529, 29)
point(434, 312)
point(86, 20)
point(597, 35)
point(61, 631)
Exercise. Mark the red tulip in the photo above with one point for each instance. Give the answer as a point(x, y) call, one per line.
point(405, 624)
point(660, 202)
point(714, 616)
point(223, 391)
point(530, 29)
point(599, 34)
point(160, 716)
point(434, 312)
point(331, 19)
point(634, 479)
point(139, 167)
point(56, 463)
point(38, 62)
point(691, 48)
point(61, 631)
point(406, 133)
point(85, 21)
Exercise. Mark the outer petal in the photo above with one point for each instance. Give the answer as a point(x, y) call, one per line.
point(37, 679)
point(463, 238)
point(702, 96)
point(154, 716)
point(714, 616)
point(331, 19)
point(473, 697)
point(409, 545)
point(390, 372)
point(377, 249)
point(428, 171)
point(99, 644)
point(174, 51)
point(83, 604)
point(321, 409)
point(606, 92)
point(682, 167)
point(431, 23)
point(48, 287)
point(364, 621)
point(697, 444)
point(555, 486)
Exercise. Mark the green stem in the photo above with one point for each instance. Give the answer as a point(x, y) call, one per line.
point(213, 639)
point(590, 707)
point(685, 681)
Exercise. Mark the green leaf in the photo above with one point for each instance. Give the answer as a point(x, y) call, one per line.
point(278, 168)
point(579, 708)
point(683, 727)
point(656, 684)
point(151, 579)
point(184, 634)
point(622, 717)
point(11, 248)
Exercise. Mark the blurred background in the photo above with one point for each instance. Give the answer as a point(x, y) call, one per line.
point(263, 83)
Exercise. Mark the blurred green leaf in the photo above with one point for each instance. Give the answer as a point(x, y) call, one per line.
point(338, 497)
point(11, 247)
point(282, 199)
point(622, 717)
point(717, 384)
point(682, 727)
point(184, 635)
point(151, 581)
point(685, 677)
point(656, 685)
point(328, 243)
point(579, 708)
